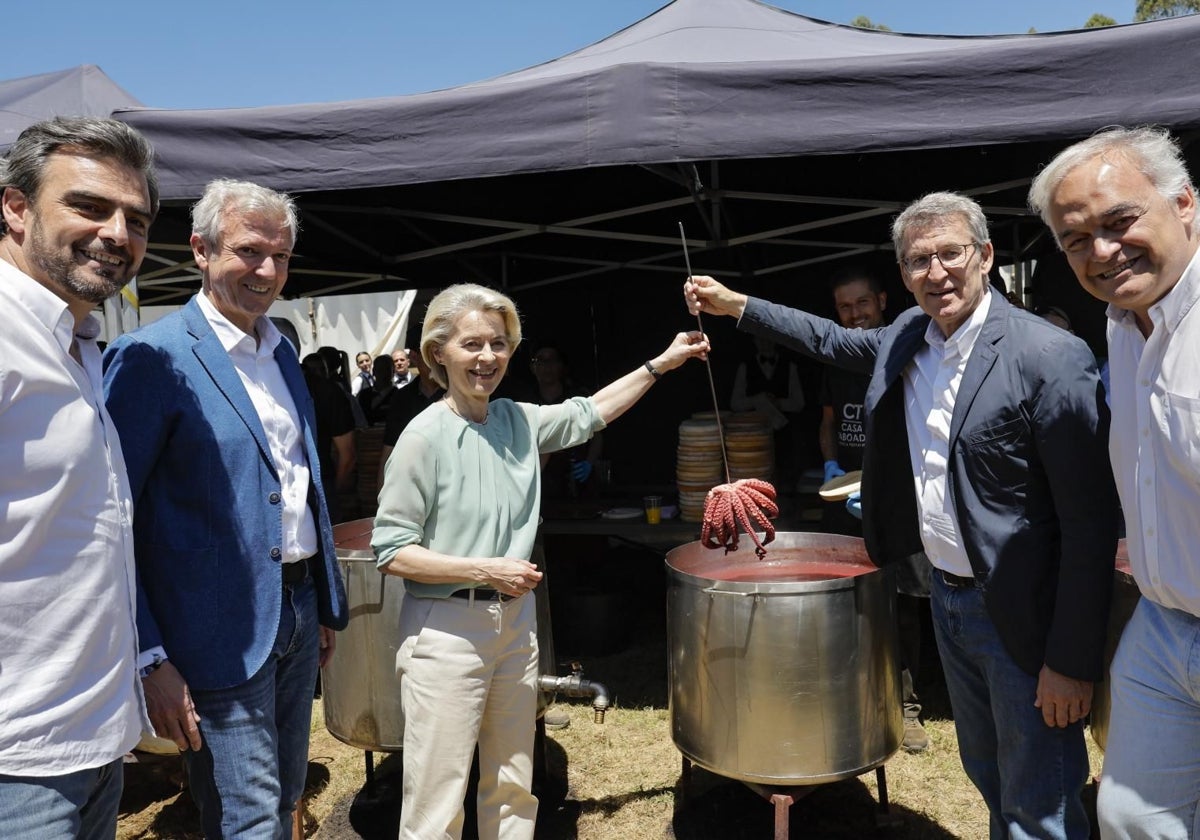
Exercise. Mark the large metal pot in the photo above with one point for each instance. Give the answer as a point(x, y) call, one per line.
point(1125, 597)
point(783, 671)
point(359, 684)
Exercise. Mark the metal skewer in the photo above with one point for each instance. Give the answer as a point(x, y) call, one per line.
point(707, 364)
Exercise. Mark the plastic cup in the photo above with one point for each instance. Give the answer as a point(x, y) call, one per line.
point(653, 505)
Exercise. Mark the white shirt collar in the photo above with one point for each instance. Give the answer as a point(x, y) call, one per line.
point(231, 336)
point(47, 307)
point(1176, 303)
point(963, 339)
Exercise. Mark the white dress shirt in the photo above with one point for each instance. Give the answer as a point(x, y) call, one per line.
point(70, 697)
point(931, 383)
point(1155, 441)
point(260, 374)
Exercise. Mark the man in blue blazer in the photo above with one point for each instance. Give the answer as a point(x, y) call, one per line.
point(238, 588)
point(985, 447)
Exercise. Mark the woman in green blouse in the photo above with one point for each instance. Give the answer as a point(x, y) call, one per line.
point(457, 517)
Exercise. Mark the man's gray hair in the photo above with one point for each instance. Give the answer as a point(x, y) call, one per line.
point(25, 166)
point(225, 194)
point(1152, 150)
point(936, 208)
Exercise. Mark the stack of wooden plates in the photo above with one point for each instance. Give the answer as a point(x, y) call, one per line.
point(750, 446)
point(698, 466)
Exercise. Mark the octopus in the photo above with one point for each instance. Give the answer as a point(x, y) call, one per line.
point(746, 502)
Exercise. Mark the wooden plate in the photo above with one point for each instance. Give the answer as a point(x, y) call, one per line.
point(841, 488)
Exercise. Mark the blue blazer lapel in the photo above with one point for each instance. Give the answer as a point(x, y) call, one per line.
point(215, 360)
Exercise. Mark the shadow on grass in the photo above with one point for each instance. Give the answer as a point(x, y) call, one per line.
point(711, 807)
point(373, 812)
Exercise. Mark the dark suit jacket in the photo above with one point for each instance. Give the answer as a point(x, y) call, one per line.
point(208, 515)
point(1029, 475)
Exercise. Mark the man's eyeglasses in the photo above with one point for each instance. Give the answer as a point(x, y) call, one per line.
point(950, 256)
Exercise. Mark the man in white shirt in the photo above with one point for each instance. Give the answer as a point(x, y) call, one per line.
point(403, 372)
point(985, 431)
point(1122, 207)
point(78, 199)
point(237, 574)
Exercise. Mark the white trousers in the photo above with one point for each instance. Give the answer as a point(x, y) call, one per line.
point(468, 676)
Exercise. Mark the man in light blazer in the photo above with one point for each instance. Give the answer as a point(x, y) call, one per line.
point(985, 447)
point(238, 588)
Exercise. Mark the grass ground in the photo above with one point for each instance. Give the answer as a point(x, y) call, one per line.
point(623, 777)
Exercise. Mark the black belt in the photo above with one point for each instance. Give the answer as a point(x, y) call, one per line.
point(482, 593)
point(294, 573)
point(957, 581)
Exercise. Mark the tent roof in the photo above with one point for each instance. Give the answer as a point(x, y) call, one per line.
point(699, 80)
point(78, 91)
point(785, 145)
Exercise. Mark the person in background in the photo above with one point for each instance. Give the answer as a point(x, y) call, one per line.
point(364, 377)
point(238, 586)
point(1055, 316)
point(402, 373)
point(767, 382)
point(77, 196)
point(374, 400)
point(1122, 207)
point(985, 430)
point(336, 448)
point(338, 365)
point(458, 514)
point(408, 404)
point(565, 474)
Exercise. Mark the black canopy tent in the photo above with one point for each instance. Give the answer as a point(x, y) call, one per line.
point(784, 144)
point(77, 91)
point(780, 140)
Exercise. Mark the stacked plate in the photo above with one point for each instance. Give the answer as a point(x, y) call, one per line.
point(698, 465)
point(750, 446)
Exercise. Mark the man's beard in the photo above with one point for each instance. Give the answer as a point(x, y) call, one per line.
point(77, 280)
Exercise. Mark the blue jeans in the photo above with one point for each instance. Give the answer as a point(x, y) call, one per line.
point(78, 806)
point(1151, 780)
point(1031, 775)
point(249, 773)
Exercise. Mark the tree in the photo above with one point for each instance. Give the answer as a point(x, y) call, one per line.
point(1097, 21)
point(864, 22)
point(1154, 9)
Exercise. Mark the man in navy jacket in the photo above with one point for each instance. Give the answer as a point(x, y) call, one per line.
point(985, 447)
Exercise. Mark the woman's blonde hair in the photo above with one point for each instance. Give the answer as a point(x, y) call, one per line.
point(445, 309)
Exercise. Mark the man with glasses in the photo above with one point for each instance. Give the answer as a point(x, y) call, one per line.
point(985, 447)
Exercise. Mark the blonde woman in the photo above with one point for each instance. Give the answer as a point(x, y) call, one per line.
point(457, 516)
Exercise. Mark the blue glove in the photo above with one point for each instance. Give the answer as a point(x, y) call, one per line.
point(854, 505)
point(580, 470)
point(832, 471)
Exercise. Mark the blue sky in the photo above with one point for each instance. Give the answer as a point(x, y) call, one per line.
point(221, 53)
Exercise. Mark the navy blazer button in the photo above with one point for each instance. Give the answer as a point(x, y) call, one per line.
point(275, 552)
point(273, 498)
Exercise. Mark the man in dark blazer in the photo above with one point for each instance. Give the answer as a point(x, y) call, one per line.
point(238, 588)
point(985, 447)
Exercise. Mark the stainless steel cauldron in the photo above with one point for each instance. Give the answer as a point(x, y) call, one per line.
point(359, 685)
point(783, 671)
point(1125, 597)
